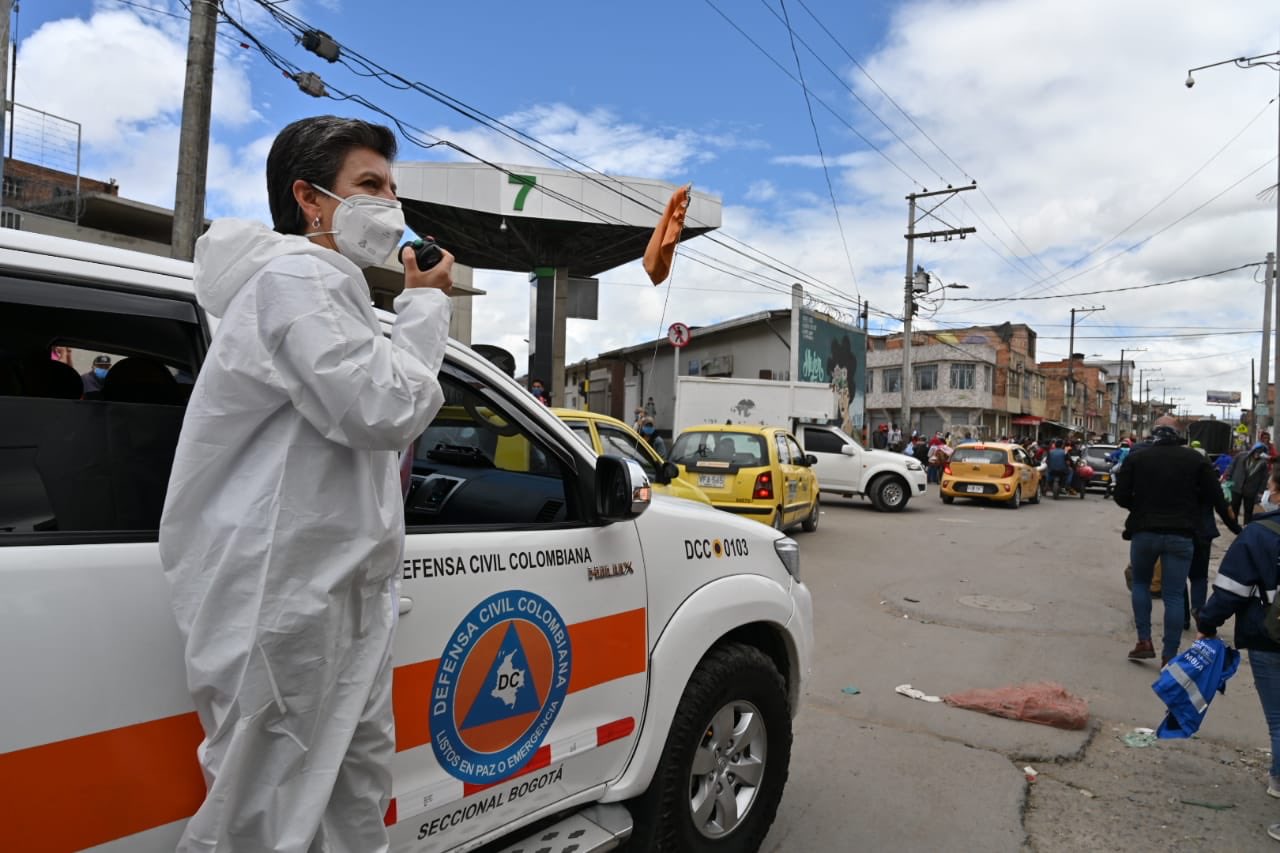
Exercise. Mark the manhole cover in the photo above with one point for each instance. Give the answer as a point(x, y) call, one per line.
point(990, 602)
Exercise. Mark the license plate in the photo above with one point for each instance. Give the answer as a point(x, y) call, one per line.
point(1105, 477)
point(974, 490)
point(711, 481)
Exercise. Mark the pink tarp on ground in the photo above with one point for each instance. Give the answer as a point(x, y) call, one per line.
point(1047, 703)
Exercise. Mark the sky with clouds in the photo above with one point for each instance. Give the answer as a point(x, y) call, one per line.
point(1096, 167)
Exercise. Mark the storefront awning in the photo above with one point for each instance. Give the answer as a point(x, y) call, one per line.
point(1026, 420)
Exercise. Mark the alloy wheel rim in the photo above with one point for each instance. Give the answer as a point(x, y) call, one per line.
point(728, 769)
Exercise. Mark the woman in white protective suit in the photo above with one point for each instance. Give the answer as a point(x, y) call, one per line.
point(283, 526)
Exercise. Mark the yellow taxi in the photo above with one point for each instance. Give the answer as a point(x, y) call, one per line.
point(759, 472)
point(991, 471)
point(605, 434)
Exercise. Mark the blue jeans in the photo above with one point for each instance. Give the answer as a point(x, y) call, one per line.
point(1174, 552)
point(1266, 677)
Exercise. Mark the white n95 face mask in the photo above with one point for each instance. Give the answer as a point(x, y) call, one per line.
point(366, 228)
point(1267, 501)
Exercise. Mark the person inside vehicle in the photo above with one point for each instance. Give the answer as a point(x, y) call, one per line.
point(96, 376)
point(283, 525)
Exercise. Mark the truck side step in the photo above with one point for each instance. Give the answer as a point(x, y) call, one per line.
point(593, 830)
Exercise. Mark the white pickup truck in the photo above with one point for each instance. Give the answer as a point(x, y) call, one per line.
point(888, 480)
point(847, 468)
point(664, 643)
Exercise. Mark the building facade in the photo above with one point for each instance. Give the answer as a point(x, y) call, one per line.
point(1091, 404)
point(981, 379)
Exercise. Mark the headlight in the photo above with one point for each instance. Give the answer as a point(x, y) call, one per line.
point(789, 553)
point(913, 465)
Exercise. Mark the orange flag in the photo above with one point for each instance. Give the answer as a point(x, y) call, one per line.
point(662, 245)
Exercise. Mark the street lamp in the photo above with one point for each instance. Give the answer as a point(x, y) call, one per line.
point(1272, 61)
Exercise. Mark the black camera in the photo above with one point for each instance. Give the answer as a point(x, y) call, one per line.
point(426, 251)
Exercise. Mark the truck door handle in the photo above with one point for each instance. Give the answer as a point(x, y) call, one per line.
point(406, 604)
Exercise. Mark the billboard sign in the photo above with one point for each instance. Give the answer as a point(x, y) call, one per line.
point(835, 354)
point(1223, 398)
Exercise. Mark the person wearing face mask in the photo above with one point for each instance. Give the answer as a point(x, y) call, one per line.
point(94, 378)
point(283, 525)
point(650, 433)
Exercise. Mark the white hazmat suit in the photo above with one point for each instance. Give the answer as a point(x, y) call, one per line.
point(282, 535)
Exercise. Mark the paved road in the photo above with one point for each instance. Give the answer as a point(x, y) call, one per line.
point(877, 770)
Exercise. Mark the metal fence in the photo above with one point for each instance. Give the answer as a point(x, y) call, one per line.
point(53, 145)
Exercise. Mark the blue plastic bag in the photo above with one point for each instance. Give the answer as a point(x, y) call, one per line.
point(1187, 685)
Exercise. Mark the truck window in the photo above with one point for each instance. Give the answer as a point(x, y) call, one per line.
point(478, 465)
point(84, 458)
point(822, 441)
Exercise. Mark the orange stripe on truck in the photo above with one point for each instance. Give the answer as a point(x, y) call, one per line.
point(604, 649)
point(89, 790)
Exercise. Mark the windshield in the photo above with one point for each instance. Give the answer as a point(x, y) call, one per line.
point(1098, 452)
point(986, 455)
point(745, 450)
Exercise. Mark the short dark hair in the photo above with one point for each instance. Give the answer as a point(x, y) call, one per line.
point(313, 150)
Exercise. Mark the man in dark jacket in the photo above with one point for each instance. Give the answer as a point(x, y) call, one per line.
point(1163, 488)
point(1248, 567)
point(1248, 476)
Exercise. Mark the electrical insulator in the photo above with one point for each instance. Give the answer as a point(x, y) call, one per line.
point(311, 84)
point(321, 44)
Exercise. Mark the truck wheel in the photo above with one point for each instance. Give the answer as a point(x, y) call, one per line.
point(810, 524)
point(889, 494)
point(725, 762)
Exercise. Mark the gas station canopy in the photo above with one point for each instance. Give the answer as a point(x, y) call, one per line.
point(526, 218)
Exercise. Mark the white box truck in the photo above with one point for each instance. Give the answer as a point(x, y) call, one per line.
point(889, 480)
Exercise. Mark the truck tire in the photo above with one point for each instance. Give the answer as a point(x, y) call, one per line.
point(810, 524)
point(725, 762)
point(889, 493)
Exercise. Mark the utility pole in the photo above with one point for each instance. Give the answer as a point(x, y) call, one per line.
point(1263, 376)
point(1271, 276)
point(6, 12)
point(1071, 362)
point(920, 282)
point(193, 142)
point(1121, 396)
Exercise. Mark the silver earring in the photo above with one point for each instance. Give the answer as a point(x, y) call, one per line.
point(315, 223)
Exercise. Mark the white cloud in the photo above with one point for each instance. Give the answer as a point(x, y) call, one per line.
point(120, 74)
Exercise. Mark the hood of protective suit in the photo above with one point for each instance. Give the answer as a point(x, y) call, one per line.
point(233, 251)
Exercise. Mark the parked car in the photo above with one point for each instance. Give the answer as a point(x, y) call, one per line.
point(992, 471)
point(1095, 456)
point(608, 435)
point(759, 472)
point(663, 647)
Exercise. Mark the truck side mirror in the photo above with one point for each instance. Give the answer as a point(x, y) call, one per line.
point(810, 459)
point(622, 489)
point(848, 450)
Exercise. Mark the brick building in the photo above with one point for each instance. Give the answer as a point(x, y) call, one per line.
point(1092, 402)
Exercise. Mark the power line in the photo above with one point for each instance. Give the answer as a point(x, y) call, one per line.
point(301, 28)
point(835, 206)
point(1106, 290)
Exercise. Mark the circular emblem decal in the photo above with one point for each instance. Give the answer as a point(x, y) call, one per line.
point(501, 682)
